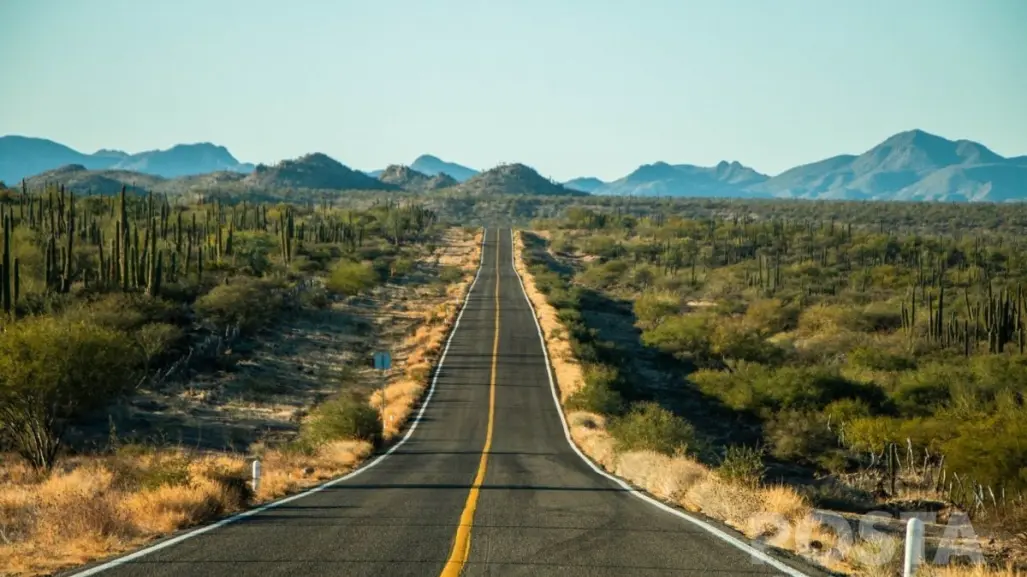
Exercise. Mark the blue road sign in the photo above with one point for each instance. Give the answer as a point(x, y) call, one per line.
point(382, 361)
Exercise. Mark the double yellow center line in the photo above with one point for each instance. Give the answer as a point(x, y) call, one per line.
point(462, 544)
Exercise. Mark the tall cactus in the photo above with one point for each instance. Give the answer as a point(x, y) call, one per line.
point(69, 256)
point(124, 243)
point(7, 274)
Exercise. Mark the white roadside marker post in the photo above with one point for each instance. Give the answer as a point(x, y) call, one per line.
point(255, 482)
point(914, 547)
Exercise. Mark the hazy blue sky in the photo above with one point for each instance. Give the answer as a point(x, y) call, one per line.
point(571, 87)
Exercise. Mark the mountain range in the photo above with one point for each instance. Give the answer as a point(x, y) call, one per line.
point(912, 165)
point(22, 156)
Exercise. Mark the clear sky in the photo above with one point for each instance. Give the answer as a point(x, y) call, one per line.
point(571, 87)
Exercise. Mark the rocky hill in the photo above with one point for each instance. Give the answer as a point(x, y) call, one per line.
point(410, 179)
point(318, 171)
point(514, 179)
point(80, 179)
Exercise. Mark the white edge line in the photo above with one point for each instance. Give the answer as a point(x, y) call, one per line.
point(732, 540)
point(413, 425)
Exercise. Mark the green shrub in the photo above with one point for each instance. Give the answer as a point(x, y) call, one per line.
point(733, 339)
point(652, 307)
point(401, 267)
point(796, 435)
point(601, 276)
point(51, 371)
point(742, 465)
point(352, 278)
point(160, 469)
point(246, 302)
point(347, 417)
point(601, 246)
point(158, 339)
point(599, 393)
point(315, 297)
point(684, 336)
point(125, 311)
point(878, 359)
point(650, 427)
point(771, 316)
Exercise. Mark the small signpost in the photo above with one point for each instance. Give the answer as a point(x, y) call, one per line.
point(382, 363)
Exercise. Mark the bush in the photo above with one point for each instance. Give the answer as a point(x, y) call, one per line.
point(158, 339)
point(684, 336)
point(795, 435)
point(352, 278)
point(315, 297)
point(827, 319)
point(742, 465)
point(125, 311)
point(770, 316)
point(599, 394)
point(247, 302)
point(347, 417)
point(400, 267)
point(451, 274)
point(650, 427)
point(652, 307)
point(733, 339)
point(880, 360)
point(53, 370)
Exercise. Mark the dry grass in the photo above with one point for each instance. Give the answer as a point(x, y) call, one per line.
point(96, 506)
point(286, 472)
point(566, 369)
point(92, 507)
point(969, 571)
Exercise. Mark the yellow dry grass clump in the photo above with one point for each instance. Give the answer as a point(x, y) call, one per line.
point(91, 507)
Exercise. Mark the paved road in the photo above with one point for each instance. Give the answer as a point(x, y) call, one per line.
point(436, 506)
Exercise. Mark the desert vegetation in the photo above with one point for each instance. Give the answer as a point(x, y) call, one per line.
point(129, 319)
point(794, 356)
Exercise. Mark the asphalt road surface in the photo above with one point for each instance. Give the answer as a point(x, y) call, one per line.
point(486, 484)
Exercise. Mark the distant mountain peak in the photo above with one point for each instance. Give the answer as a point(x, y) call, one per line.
point(910, 165)
point(584, 183)
point(432, 165)
point(725, 180)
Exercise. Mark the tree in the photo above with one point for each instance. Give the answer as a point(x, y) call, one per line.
point(52, 371)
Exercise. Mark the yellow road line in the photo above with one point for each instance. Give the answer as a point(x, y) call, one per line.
point(462, 543)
